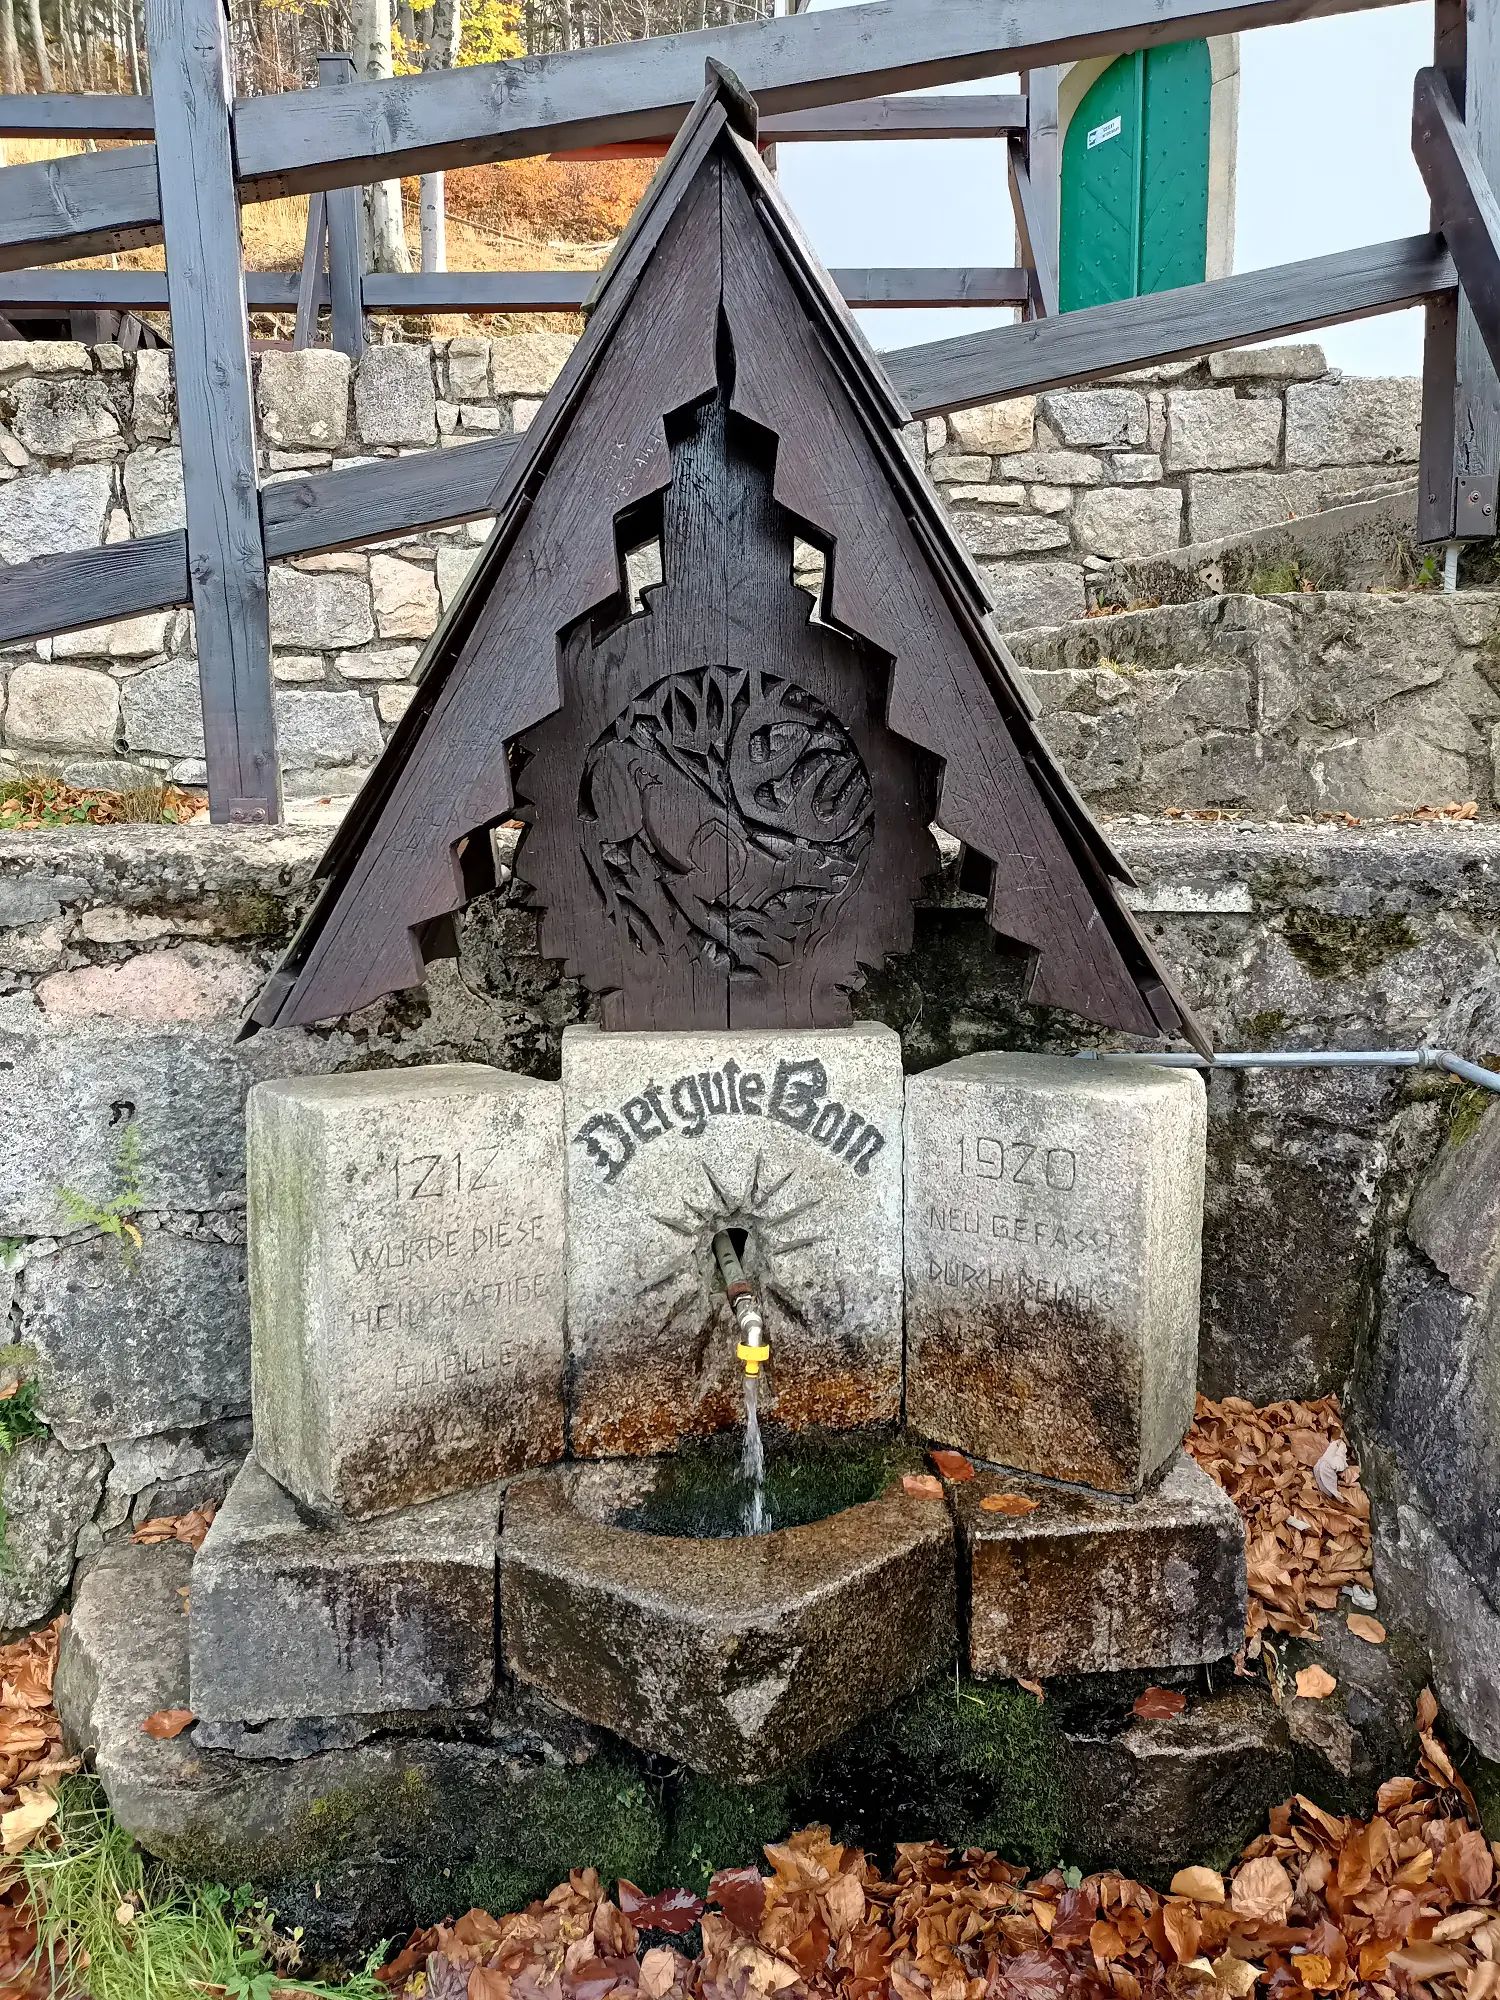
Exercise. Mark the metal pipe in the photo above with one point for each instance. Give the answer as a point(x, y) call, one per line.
point(753, 1347)
point(1444, 1059)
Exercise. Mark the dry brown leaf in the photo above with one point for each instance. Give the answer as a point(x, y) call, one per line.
point(1016, 1504)
point(922, 1486)
point(952, 1465)
point(1155, 1704)
point(1363, 1626)
point(658, 1971)
point(1032, 1687)
point(1204, 1885)
point(25, 1820)
point(1315, 1683)
point(1262, 1891)
point(168, 1722)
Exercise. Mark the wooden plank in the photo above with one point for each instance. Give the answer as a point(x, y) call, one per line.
point(1044, 170)
point(215, 406)
point(1477, 407)
point(879, 118)
point(132, 291)
point(1170, 326)
point(92, 586)
point(51, 210)
point(1463, 198)
point(346, 237)
point(392, 496)
point(310, 279)
point(1437, 474)
point(1031, 227)
point(587, 97)
point(566, 291)
point(642, 90)
point(60, 114)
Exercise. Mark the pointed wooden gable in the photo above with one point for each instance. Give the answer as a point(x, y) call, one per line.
point(727, 784)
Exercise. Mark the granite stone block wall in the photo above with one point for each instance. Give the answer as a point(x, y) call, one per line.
point(1045, 490)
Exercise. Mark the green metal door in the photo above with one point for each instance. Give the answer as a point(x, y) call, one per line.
point(1135, 178)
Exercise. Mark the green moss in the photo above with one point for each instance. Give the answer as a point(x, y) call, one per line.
point(1469, 1106)
point(601, 1816)
point(1273, 579)
point(714, 1825)
point(1267, 1027)
point(1345, 947)
point(994, 1757)
point(809, 1475)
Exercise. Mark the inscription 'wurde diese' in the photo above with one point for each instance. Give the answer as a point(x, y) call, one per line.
point(798, 1098)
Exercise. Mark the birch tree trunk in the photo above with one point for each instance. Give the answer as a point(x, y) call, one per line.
point(10, 54)
point(442, 53)
point(133, 44)
point(39, 43)
point(372, 59)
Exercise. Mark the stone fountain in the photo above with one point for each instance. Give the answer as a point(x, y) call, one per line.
point(457, 1628)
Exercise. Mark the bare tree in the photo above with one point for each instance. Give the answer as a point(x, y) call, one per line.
point(372, 59)
point(442, 53)
point(39, 43)
point(10, 54)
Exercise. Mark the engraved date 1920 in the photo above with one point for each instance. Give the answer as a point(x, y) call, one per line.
point(987, 1158)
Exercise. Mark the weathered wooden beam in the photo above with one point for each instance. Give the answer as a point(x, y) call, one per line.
point(642, 90)
point(566, 291)
point(61, 114)
point(1032, 228)
point(1043, 215)
point(1437, 471)
point(346, 237)
point(1170, 326)
point(215, 405)
point(310, 279)
point(321, 510)
point(92, 586)
point(288, 143)
point(879, 118)
point(132, 291)
point(1463, 198)
point(51, 210)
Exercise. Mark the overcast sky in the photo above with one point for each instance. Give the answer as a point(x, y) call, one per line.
point(1325, 164)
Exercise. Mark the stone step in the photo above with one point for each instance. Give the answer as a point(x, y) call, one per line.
point(1279, 706)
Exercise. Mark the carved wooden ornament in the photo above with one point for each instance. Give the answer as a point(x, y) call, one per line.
point(727, 771)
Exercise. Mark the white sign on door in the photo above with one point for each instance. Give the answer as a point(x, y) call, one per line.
point(1100, 133)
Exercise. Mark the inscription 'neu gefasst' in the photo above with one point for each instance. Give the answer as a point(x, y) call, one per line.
point(797, 1097)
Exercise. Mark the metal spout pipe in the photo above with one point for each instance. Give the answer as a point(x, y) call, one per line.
point(1443, 1059)
point(753, 1348)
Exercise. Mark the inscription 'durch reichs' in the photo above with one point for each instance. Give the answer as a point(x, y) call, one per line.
point(796, 1097)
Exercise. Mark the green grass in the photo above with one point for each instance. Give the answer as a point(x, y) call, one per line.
point(143, 1933)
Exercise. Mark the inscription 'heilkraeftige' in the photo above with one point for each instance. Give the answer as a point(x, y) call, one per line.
point(447, 1305)
point(796, 1098)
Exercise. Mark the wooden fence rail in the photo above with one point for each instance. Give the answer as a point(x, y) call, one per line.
point(209, 150)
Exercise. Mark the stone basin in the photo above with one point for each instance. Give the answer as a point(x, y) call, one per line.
point(737, 1656)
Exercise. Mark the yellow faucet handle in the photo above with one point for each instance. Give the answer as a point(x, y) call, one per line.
point(752, 1357)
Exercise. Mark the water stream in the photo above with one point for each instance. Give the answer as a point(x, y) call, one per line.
point(753, 1462)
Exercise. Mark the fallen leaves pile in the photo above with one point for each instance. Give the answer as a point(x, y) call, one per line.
point(1307, 1518)
point(1403, 1903)
point(31, 1761)
point(43, 800)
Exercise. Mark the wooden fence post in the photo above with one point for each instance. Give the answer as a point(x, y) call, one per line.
point(1458, 494)
point(215, 404)
point(1044, 171)
point(346, 240)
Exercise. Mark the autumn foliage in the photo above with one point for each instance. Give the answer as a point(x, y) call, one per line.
point(1403, 1903)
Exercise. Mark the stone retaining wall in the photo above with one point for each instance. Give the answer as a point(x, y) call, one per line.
point(126, 955)
point(1045, 490)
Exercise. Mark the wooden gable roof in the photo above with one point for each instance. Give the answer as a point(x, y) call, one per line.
point(713, 295)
